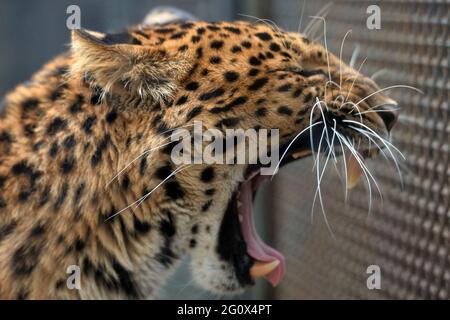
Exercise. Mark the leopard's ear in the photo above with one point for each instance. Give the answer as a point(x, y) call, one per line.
point(119, 63)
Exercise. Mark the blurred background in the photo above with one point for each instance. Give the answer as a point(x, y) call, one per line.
point(407, 234)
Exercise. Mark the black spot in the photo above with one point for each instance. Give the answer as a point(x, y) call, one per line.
point(253, 72)
point(254, 61)
point(261, 112)
point(194, 112)
point(25, 258)
point(22, 168)
point(125, 182)
point(76, 107)
point(69, 142)
point(183, 48)
point(55, 95)
point(178, 35)
point(285, 88)
point(45, 196)
point(54, 149)
point(231, 76)
point(126, 281)
point(264, 36)
point(37, 231)
point(168, 230)
point(141, 227)
point(258, 84)
point(207, 175)
point(67, 165)
point(192, 86)
point(79, 245)
point(204, 72)
point(29, 129)
point(275, 47)
point(246, 44)
point(99, 150)
point(88, 123)
point(37, 146)
point(269, 55)
point(78, 193)
point(210, 192)
point(96, 96)
point(165, 30)
point(163, 172)
point(6, 137)
point(207, 205)
point(287, 55)
point(2, 181)
point(120, 38)
point(62, 195)
point(173, 190)
point(181, 100)
point(233, 30)
point(111, 116)
point(143, 166)
point(194, 229)
point(195, 39)
point(201, 30)
point(215, 60)
point(297, 93)
point(212, 94)
point(236, 49)
point(285, 110)
point(307, 97)
point(56, 125)
point(7, 229)
point(199, 52)
point(236, 102)
point(228, 122)
point(23, 294)
point(192, 243)
point(29, 104)
point(213, 28)
point(217, 44)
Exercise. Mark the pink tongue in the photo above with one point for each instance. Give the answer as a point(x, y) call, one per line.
point(256, 248)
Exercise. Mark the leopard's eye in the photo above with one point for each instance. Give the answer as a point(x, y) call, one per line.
point(294, 70)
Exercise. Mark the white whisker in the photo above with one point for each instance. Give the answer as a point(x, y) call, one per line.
point(290, 144)
point(354, 57)
point(143, 198)
point(340, 57)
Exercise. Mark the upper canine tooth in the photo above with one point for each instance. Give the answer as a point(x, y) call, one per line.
point(354, 172)
point(239, 204)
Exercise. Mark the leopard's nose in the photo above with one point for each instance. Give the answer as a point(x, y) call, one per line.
point(389, 114)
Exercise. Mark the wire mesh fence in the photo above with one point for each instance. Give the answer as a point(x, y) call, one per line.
point(407, 234)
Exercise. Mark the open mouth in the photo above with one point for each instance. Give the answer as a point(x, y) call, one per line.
point(267, 262)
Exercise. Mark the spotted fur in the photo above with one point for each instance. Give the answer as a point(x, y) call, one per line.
point(90, 112)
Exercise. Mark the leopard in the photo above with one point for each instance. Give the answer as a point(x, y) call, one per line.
point(86, 173)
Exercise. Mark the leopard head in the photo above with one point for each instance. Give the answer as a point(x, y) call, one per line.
point(163, 78)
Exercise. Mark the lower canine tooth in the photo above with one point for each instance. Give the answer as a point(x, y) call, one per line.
point(261, 269)
point(239, 204)
point(354, 172)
